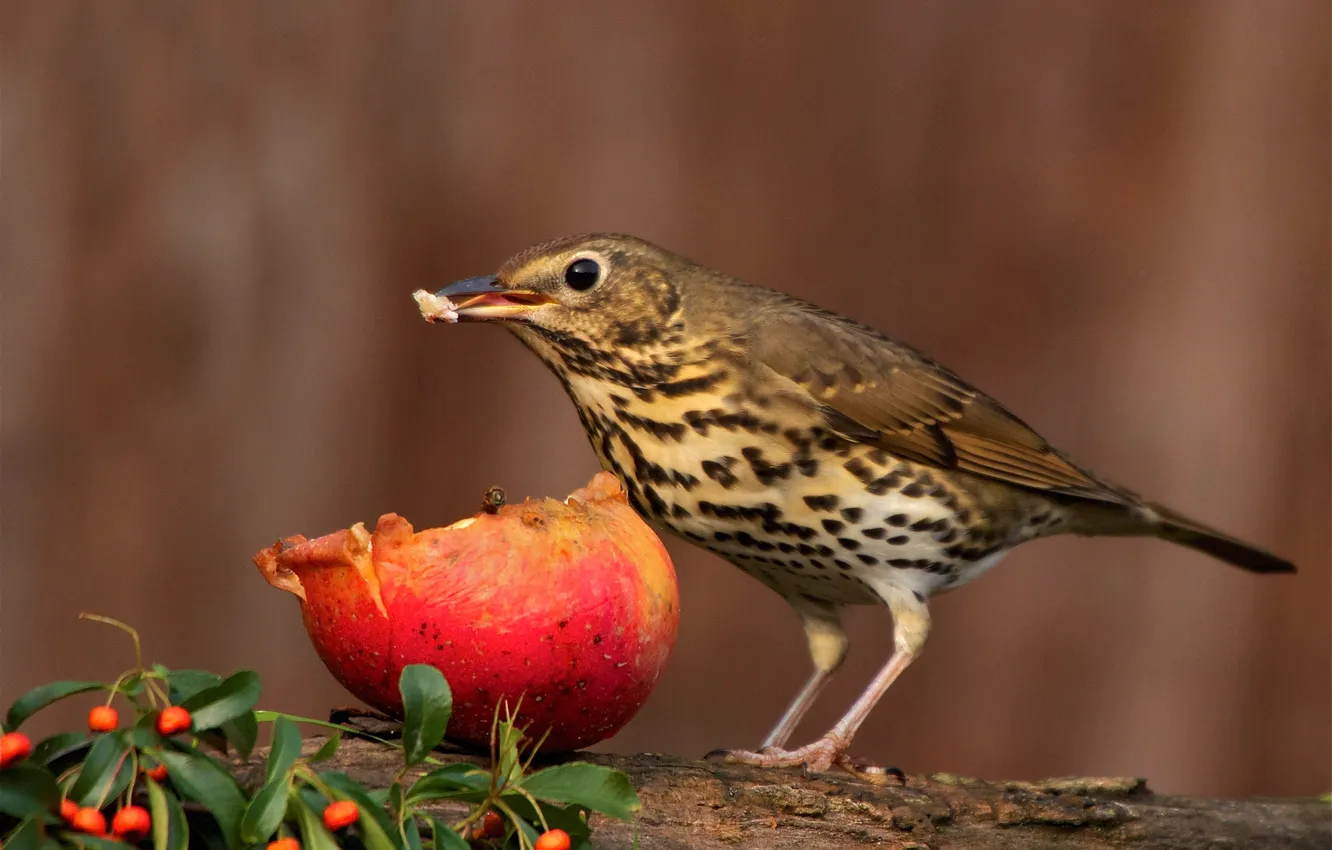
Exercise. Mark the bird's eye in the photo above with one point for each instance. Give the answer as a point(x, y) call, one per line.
point(582, 274)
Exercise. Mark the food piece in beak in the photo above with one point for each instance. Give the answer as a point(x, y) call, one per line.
point(479, 298)
point(435, 308)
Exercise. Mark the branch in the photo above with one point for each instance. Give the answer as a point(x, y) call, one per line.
point(706, 805)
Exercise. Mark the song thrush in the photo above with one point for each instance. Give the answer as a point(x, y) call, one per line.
point(832, 463)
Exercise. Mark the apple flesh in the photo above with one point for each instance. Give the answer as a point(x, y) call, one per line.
point(570, 605)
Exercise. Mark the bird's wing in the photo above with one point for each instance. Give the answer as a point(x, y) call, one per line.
point(876, 391)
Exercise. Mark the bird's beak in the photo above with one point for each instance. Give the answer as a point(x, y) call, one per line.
point(482, 298)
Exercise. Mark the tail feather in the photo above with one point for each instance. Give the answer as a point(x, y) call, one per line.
point(1180, 529)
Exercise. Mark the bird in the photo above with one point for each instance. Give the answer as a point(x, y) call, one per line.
point(829, 461)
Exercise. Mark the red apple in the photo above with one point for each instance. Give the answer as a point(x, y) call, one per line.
point(571, 605)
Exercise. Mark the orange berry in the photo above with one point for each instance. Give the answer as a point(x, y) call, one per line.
point(556, 839)
point(14, 747)
point(131, 823)
point(89, 820)
point(284, 844)
point(68, 809)
point(173, 719)
point(157, 773)
point(103, 718)
point(340, 814)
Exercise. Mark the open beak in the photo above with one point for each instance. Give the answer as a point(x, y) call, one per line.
point(482, 298)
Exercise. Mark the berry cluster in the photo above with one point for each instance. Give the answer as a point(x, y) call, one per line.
point(130, 777)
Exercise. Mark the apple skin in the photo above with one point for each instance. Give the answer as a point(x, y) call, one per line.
point(571, 605)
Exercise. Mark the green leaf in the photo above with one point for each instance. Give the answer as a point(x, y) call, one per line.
point(204, 781)
point(38, 698)
point(27, 791)
point(229, 699)
point(444, 838)
point(522, 826)
point(592, 786)
point(397, 801)
point(94, 842)
point(314, 835)
point(427, 704)
point(30, 835)
point(265, 813)
point(243, 733)
point(509, 739)
point(183, 684)
point(171, 831)
point(451, 782)
point(144, 735)
point(411, 834)
point(327, 750)
point(103, 771)
point(58, 746)
point(286, 748)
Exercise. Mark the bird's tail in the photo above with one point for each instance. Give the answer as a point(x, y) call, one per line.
point(1178, 528)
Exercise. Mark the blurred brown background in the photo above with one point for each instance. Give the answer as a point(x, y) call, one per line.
point(1114, 216)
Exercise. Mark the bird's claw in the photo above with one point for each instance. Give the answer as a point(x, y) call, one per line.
point(818, 757)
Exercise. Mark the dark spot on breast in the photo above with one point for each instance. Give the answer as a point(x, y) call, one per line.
point(822, 503)
point(869, 560)
point(874, 533)
point(884, 484)
point(679, 511)
point(898, 540)
point(684, 479)
point(852, 515)
point(843, 565)
point(915, 490)
point(690, 386)
point(857, 467)
point(898, 520)
point(823, 550)
point(849, 543)
point(655, 502)
point(878, 457)
point(833, 526)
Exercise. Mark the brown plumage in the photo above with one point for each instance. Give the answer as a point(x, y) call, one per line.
point(834, 464)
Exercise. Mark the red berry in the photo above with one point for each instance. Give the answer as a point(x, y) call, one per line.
point(103, 718)
point(68, 809)
point(14, 747)
point(556, 839)
point(340, 814)
point(173, 719)
point(492, 825)
point(284, 844)
point(89, 820)
point(157, 773)
point(131, 823)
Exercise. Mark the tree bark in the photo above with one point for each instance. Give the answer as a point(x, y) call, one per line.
point(708, 805)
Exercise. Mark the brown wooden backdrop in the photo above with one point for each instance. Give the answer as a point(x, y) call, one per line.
point(1112, 215)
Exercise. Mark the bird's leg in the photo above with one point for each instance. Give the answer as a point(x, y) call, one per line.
point(827, 648)
point(911, 628)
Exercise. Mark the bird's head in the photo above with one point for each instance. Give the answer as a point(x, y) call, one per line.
point(601, 296)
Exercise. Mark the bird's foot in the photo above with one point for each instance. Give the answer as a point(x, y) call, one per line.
point(818, 757)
